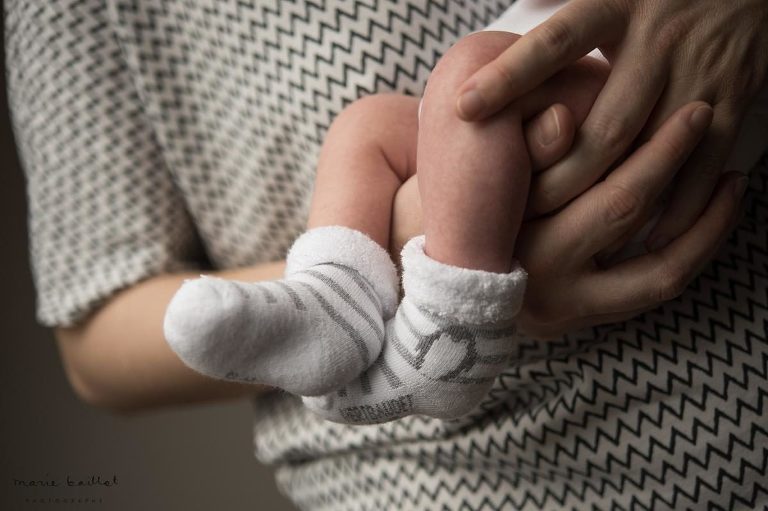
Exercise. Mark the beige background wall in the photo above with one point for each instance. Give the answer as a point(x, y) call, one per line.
point(181, 459)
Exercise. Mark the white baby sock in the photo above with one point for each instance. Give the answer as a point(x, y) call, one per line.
point(310, 333)
point(451, 337)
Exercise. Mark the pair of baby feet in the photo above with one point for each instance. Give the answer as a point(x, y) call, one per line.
point(332, 330)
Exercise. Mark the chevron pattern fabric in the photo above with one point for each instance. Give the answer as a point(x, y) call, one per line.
point(158, 135)
point(667, 411)
point(192, 128)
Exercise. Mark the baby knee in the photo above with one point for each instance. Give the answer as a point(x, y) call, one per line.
point(369, 113)
point(362, 111)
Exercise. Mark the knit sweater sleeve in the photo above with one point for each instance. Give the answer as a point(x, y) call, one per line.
point(104, 212)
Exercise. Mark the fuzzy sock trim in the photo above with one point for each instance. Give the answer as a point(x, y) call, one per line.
point(467, 295)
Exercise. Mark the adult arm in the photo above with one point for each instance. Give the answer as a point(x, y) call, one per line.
point(663, 54)
point(118, 358)
point(110, 235)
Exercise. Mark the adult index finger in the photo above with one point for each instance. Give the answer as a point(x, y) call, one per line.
point(569, 34)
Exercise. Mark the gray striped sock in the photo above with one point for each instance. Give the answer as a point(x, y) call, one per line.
point(307, 334)
point(429, 365)
point(451, 336)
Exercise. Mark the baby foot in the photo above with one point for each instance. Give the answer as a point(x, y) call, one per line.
point(451, 337)
point(309, 333)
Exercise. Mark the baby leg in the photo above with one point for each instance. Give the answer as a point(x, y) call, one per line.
point(323, 324)
point(452, 334)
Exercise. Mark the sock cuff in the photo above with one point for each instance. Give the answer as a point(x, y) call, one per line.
point(351, 248)
point(467, 295)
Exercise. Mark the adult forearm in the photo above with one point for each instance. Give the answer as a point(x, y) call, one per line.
point(118, 358)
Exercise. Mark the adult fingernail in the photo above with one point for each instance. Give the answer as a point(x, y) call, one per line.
point(657, 243)
point(470, 104)
point(700, 118)
point(739, 187)
point(549, 129)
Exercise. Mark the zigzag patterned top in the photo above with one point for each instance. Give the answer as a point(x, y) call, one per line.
point(171, 134)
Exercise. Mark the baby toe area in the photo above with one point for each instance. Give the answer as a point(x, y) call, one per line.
point(201, 311)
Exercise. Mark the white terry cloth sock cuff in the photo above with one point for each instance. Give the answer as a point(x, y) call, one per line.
point(352, 248)
point(466, 295)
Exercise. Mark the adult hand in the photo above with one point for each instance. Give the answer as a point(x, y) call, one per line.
point(567, 289)
point(663, 54)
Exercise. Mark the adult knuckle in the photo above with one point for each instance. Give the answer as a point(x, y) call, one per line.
point(554, 38)
point(609, 132)
point(502, 72)
point(669, 35)
point(621, 204)
point(670, 150)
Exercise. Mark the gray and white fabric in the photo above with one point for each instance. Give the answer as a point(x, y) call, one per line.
point(160, 135)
